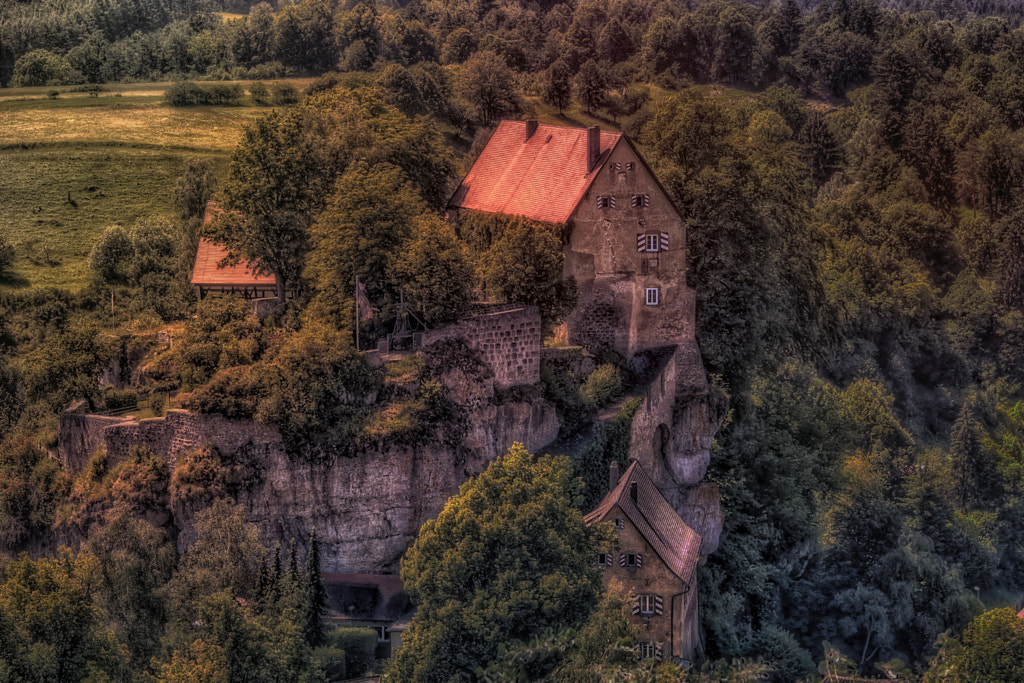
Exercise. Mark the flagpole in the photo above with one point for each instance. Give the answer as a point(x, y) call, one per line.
point(357, 312)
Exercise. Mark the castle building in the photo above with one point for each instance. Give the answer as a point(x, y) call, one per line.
point(626, 239)
point(655, 561)
point(625, 245)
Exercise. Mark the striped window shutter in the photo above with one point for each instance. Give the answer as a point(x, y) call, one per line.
point(646, 200)
point(657, 651)
point(622, 560)
point(619, 523)
point(607, 559)
point(611, 201)
point(664, 241)
point(641, 242)
point(639, 560)
point(636, 605)
point(659, 607)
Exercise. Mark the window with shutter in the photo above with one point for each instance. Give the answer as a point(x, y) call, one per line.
point(606, 201)
point(630, 165)
point(645, 604)
point(632, 560)
point(653, 243)
point(614, 166)
point(640, 201)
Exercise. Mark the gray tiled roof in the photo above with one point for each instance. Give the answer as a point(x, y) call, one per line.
point(672, 539)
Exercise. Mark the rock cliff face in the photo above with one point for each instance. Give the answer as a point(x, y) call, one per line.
point(366, 509)
point(672, 434)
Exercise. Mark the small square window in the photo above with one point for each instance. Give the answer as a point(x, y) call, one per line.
point(606, 201)
point(652, 296)
point(646, 603)
point(630, 559)
point(614, 166)
point(604, 560)
point(630, 165)
point(640, 201)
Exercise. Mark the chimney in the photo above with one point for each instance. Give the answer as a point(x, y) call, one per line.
point(632, 490)
point(593, 146)
point(531, 128)
point(613, 475)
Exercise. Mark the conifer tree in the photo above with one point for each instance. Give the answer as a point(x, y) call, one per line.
point(316, 595)
point(968, 460)
point(275, 575)
point(293, 564)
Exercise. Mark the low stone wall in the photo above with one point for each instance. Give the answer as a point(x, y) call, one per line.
point(80, 435)
point(510, 342)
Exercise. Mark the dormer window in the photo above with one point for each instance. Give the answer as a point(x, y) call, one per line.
point(606, 201)
point(640, 201)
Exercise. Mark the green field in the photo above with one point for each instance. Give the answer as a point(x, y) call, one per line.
point(118, 154)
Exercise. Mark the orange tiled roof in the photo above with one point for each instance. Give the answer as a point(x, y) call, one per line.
point(542, 178)
point(206, 273)
point(675, 542)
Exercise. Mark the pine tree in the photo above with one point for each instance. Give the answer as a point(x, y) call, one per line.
point(968, 461)
point(263, 587)
point(316, 595)
point(293, 564)
point(274, 591)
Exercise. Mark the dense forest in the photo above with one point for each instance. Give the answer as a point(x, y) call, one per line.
point(850, 172)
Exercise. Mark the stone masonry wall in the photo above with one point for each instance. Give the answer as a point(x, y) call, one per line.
point(671, 629)
point(80, 435)
point(510, 342)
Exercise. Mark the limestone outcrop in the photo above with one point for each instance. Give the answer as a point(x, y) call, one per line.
point(366, 509)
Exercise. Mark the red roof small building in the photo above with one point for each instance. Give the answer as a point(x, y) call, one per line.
point(656, 562)
point(211, 274)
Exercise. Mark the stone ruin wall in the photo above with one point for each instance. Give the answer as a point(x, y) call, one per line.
point(509, 340)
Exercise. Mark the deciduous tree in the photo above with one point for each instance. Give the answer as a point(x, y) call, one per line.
point(506, 558)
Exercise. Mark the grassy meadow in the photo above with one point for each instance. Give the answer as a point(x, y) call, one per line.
point(117, 154)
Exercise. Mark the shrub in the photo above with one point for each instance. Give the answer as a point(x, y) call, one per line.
point(359, 644)
point(158, 404)
point(284, 93)
point(112, 256)
point(190, 94)
point(259, 92)
point(602, 386)
point(115, 399)
point(6, 255)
